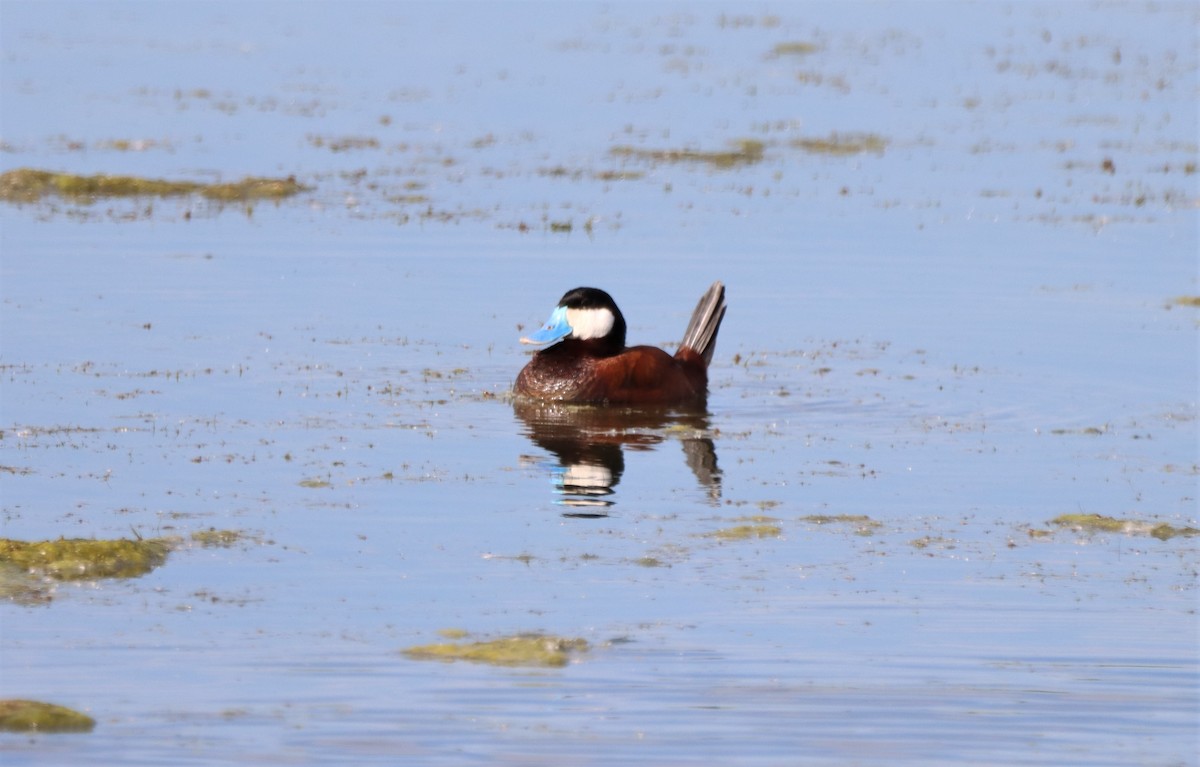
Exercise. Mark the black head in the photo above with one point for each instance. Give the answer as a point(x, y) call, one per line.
point(593, 316)
point(587, 315)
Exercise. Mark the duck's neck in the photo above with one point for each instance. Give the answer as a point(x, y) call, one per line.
point(593, 347)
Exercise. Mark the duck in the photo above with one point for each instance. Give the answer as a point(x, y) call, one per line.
point(586, 360)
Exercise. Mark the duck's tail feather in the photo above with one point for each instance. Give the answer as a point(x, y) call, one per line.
point(701, 333)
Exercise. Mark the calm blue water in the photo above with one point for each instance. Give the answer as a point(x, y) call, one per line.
point(931, 337)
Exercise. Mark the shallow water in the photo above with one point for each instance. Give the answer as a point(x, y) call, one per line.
point(959, 338)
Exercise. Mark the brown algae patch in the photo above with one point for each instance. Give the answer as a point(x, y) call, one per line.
point(744, 152)
point(31, 185)
point(34, 716)
point(73, 559)
point(531, 650)
point(842, 144)
point(758, 526)
point(1098, 523)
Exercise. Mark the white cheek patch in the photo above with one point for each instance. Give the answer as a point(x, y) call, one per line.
point(586, 478)
point(589, 323)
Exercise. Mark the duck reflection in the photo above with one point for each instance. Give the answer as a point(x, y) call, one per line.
point(589, 445)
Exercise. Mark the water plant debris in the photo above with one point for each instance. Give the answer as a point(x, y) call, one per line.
point(35, 716)
point(840, 144)
point(758, 526)
point(27, 185)
point(744, 152)
point(1093, 523)
point(537, 650)
point(73, 559)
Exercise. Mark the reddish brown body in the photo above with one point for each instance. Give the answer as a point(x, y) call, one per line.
point(572, 371)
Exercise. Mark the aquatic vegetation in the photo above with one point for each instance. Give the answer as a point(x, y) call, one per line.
point(744, 152)
point(213, 538)
point(744, 532)
point(73, 559)
point(1090, 522)
point(34, 716)
point(30, 185)
point(842, 144)
point(252, 188)
point(1165, 532)
point(1091, 431)
point(1094, 523)
point(649, 561)
point(796, 48)
point(577, 174)
point(935, 541)
point(837, 82)
point(524, 558)
point(408, 199)
point(741, 21)
point(758, 526)
point(131, 145)
point(863, 524)
point(16, 585)
point(537, 650)
point(344, 144)
point(559, 171)
point(618, 175)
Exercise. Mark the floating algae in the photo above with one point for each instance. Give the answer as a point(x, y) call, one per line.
point(797, 48)
point(1093, 523)
point(31, 185)
point(33, 716)
point(344, 144)
point(649, 561)
point(213, 538)
point(73, 559)
point(745, 152)
point(863, 525)
point(932, 541)
point(1091, 431)
point(758, 526)
point(842, 144)
point(538, 650)
point(1165, 532)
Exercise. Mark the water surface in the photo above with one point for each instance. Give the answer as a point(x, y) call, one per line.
point(933, 349)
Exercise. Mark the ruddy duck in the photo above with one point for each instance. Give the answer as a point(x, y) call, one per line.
point(588, 362)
